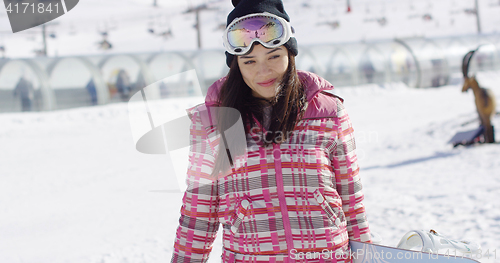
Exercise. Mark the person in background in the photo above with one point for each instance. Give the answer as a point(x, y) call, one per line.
point(295, 187)
point(123, 85)
point(90, 87)
point(24, 89)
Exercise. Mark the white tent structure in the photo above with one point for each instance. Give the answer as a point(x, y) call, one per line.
point(68, 82)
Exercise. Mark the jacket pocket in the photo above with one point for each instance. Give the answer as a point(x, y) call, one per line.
point(240, 214)
point(335, 214)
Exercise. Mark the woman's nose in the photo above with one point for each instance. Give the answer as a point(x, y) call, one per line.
point(264, 68)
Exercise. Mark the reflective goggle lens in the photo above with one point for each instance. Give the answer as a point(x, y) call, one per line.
point(267, 29)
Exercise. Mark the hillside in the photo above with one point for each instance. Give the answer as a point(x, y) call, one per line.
point(127, 24)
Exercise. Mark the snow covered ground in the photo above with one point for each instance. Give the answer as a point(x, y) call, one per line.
point(74, 189)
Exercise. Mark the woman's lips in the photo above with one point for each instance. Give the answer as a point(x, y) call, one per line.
point(267, 83)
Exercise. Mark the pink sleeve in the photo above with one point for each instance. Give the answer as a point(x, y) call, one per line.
point(198, 223)
point(348, 183)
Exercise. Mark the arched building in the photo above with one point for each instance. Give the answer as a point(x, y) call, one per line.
point(39, 84)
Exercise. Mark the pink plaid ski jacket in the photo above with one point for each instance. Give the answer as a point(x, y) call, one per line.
point(298, 201)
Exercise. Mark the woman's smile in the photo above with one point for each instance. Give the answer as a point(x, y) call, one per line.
point(267, 83)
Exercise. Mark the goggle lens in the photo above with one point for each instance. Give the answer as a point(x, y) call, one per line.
point(267, 29)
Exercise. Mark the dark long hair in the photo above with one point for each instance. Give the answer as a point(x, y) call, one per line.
point(288, 107)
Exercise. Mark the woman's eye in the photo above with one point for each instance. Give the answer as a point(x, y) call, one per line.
point(248, 62)
point(275, 56)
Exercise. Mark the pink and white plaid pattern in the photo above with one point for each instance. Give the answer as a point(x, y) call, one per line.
point(301, 196)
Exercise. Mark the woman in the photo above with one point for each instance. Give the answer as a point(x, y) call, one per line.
point(291, 191)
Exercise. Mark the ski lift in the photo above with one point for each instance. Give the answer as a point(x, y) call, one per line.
point(427, 17)
point(166, 34)
point(470, 11)
point(103, 28)
point(105, 45)
point(382, 21)
point(151, 25)
point(333, 24)
point(39, 52)
point(163, 29)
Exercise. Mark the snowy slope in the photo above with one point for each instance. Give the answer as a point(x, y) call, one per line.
point(127, 23)
point(74, 189)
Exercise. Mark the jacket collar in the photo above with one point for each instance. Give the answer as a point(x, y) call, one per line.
point(313, 85)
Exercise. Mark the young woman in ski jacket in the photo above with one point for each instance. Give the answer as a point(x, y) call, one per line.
point(288, 189)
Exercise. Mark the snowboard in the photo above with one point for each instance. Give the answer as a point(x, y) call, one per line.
point(372, 253)
point(467, 137)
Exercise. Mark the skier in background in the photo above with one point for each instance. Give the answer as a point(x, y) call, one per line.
point(293, 186)
point(123, 85)
point(90, 87)
point(367, 68)
point(24, 89)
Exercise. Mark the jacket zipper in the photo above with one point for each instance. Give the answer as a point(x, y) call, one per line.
point(281, 196)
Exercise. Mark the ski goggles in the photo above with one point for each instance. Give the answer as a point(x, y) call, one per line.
point(270, 30)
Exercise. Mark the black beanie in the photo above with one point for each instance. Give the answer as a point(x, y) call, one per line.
point(246, 7)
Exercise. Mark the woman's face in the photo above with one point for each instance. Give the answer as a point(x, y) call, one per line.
point(263, 68)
